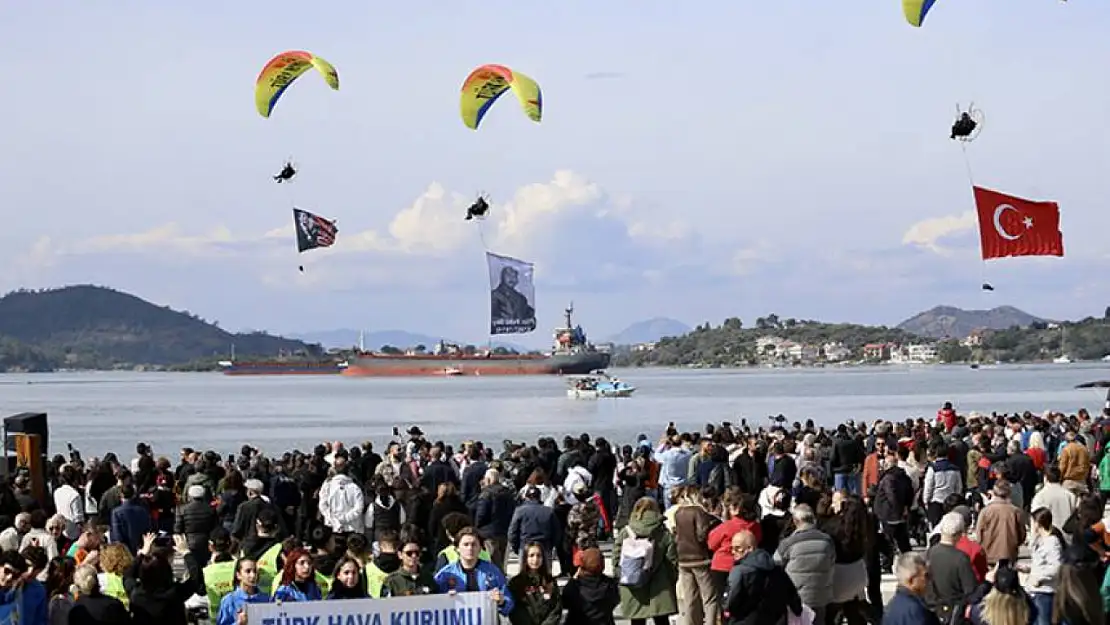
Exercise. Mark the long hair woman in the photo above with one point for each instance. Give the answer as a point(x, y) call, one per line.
point(1047, 553)
point(349, 581)
point(298, 578)
point(1077, 600)
point(849, 527)
point(59, 580)
point(538, 598)
point(1005, 604)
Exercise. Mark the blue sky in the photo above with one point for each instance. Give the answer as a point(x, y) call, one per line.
point(786, 156)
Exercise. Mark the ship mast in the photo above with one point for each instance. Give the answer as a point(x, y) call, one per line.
point(567, 312)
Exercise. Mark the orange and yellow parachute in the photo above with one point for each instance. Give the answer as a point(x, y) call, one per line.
point(281, 71)
point(485, 84)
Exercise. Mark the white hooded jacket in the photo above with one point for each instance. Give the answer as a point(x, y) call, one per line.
point(342, 504)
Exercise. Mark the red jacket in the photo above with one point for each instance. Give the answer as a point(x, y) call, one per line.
point(720, 541)
point(978, 557)
point(947, 417)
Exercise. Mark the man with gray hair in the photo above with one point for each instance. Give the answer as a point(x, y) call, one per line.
point(808, 555)
point(952, 580)
point(908, 606)
point(13, 536)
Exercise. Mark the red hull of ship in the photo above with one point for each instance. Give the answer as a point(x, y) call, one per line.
point(416, 370)
point(379, 365)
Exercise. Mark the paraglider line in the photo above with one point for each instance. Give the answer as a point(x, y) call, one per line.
point(482, 235)
point(967, 165)
point(971, 181)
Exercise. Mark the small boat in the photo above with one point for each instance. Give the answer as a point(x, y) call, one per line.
point(974, 365)
point(1062, 360)
point(450, 371)
point(597, 385)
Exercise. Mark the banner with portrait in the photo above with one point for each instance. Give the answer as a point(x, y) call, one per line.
point(512, 295)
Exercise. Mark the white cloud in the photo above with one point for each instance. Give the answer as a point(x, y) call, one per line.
point(574, 231)
point(929, 232)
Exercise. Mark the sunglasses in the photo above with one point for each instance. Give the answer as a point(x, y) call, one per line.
point(411, 552)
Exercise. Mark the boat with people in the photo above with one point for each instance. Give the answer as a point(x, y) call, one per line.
point(598, 385)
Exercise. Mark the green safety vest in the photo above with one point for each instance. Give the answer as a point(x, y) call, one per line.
point(324, 583)
point(113, 587)
point(375, 577)
point(219, 581)
point(451, 552)
point(268, 569)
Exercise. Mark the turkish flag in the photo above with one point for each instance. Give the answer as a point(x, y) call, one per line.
point(1012, 226)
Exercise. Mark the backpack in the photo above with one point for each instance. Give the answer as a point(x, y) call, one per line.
point(637, 557)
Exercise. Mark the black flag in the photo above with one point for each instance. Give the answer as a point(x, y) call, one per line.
point(313, 231)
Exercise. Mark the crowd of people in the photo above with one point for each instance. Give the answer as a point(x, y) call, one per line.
point(776, 524)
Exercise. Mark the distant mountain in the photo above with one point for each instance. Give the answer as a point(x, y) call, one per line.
point(346, 338)
point(951, 322)
point(649, 331)
point(96, 327)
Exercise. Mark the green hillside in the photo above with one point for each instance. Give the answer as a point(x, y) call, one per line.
point(96, 327)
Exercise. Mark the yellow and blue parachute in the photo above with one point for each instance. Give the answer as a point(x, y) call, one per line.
point(916, 10)
point(485, 84)
point(282, 70)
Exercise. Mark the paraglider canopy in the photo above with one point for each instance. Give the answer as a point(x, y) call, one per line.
point(282, 70)
point(485, 85)
point(916, 10)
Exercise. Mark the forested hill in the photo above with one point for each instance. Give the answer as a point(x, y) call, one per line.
point(731, 344)
point(97, 327)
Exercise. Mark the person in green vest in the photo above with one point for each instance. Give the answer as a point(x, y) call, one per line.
point(115, 560)
point(219, 575)
point(246, 591)
point(453, 523)
point(384, 563)
point(266, 549)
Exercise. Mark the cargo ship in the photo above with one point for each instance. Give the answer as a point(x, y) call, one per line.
point(282, 366)
point(571, 353)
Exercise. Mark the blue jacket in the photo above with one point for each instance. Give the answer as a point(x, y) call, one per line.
point(11, 606)
point(908, 609)
point(129, 522)
point(236, 600)
point(289, 592)
point(452, 578)
point(33, 603)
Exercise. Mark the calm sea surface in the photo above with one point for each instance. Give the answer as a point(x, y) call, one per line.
point(102, 412)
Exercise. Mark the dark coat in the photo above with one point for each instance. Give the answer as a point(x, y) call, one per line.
point(493, 511)
point(907, 609)
point(196, 520)
point(129, 522)
point(534, 522)
point(760, 592)
point(590, 600)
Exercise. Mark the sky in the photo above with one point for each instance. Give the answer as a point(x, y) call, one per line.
point(723, 159)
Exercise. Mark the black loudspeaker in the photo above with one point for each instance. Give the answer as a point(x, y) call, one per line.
point(28, 423)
